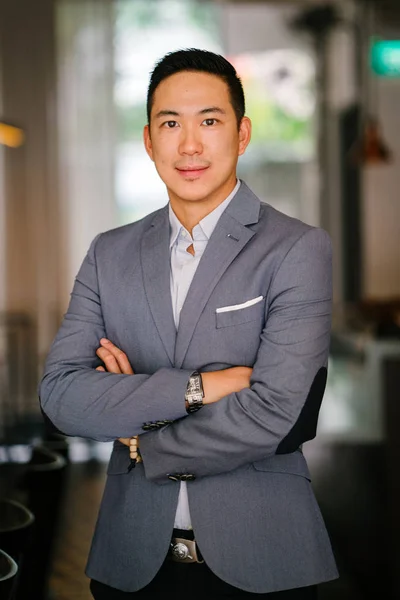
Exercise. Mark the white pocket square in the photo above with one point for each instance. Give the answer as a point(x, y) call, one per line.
point(240, 306)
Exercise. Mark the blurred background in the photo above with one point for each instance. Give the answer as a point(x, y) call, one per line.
point(322, 82)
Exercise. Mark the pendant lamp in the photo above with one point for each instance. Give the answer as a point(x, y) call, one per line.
point(11, 136)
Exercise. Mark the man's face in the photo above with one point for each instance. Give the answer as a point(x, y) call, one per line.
point(194, 138)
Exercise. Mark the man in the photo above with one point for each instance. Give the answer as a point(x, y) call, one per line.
point(212, 319)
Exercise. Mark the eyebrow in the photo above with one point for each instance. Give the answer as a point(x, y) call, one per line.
point(204, 111)
point(167, 113)
point(212, 109)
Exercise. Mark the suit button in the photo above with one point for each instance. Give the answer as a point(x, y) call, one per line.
point(160, 424)
point(150, 426)
point(181, 477)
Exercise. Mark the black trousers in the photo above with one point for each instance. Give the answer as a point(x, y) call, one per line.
point(193, 580)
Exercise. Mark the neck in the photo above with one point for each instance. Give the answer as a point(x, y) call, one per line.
point(191, 212)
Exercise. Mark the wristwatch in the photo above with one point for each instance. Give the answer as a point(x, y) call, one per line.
point(194, 393)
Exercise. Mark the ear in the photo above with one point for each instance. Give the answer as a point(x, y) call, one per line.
point(147, 141)
point(244, 134)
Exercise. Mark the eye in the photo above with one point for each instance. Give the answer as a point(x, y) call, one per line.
point(209, 122)
point(170, 124)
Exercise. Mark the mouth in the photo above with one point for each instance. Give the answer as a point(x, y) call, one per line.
point(192, 172)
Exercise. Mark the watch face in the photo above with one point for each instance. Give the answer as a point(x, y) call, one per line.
point(194, 384)
point(195, 401)
point(194, 393)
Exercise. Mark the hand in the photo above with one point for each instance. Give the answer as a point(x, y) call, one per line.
point(133, 445)
point(117, 362)
point(218, 384)
point(134, 449)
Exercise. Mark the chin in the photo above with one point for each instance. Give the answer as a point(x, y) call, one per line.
point(192, 191)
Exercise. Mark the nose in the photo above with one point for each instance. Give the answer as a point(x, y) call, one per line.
point(190, 142)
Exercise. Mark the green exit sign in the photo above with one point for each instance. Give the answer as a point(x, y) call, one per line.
point(385, 58)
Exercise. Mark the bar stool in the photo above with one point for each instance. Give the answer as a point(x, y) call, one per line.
point(42, 488)
point(16, 522)
point(16, 534)
point(8, 575)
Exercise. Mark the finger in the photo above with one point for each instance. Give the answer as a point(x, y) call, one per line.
point(100, 369)
point(134, 442)
point(119, 355)
point(109, 360)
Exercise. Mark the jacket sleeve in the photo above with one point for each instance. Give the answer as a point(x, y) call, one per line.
point(280, 410)
point(80, 401)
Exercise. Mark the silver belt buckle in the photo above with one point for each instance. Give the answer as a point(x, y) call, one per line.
point(184, 551)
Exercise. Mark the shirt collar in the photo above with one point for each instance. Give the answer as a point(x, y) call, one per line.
point(207, 224)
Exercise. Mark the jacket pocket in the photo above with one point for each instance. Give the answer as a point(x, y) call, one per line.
point(255, 312)
point(119, 460)
point(292, 464)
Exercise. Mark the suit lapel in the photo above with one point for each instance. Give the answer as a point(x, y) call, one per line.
point(229, 238)
point(155, 259)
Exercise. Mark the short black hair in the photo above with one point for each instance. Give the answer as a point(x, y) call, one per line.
point(193, 59)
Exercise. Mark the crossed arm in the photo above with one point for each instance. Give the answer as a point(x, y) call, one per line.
point(239, 424)
point(104, 406)
point(216, 384)
point(279, 411)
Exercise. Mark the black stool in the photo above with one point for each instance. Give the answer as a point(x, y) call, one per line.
point(8, 575)
point(16, 532)
point(42, 488)
point(16, 522)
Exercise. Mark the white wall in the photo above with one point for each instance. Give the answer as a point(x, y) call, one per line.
point(85, 118)
point(259, 27)
point(30, 208)
point(381, 204)
point(2, 222)
point(249, 27)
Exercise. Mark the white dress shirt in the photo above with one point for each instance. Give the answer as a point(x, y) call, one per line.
point(183, 268)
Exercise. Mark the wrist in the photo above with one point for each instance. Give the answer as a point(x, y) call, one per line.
point(212, 386)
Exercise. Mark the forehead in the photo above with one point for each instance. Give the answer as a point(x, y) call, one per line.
point(191, 90)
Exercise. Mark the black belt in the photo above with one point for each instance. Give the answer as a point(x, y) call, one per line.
point(183, 547)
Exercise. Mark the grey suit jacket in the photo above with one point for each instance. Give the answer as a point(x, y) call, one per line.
point(254, 513)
